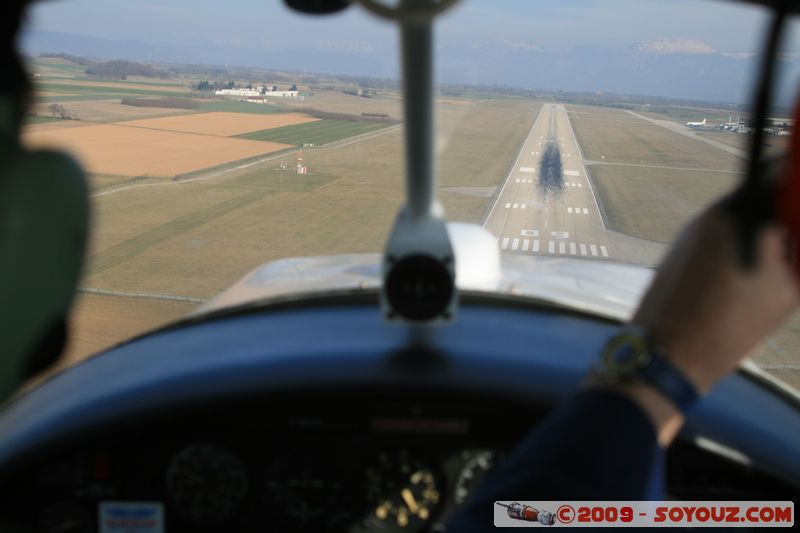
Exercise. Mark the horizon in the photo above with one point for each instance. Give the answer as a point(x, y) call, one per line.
point(479, 44)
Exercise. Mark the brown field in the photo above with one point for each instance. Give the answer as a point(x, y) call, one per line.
point(127, 151)
point(221, 123)
point(108, 110)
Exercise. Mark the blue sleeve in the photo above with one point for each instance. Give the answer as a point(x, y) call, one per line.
point(598, 446)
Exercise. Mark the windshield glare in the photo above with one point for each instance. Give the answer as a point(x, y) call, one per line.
point(216, 140)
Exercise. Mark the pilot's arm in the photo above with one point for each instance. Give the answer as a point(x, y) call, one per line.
point(706, 312)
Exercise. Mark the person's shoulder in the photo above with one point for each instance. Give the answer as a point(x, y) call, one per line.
point(50, 173)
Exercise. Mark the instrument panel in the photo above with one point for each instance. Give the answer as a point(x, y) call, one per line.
point(398, 470)
point(310, 464)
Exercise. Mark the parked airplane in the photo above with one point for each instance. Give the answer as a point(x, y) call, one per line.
point(696, 124)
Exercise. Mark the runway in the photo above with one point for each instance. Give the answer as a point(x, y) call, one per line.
point(546, 205)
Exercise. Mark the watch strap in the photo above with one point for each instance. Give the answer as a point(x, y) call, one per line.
point(669, 381)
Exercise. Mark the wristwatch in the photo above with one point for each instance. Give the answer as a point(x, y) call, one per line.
point(630, 357)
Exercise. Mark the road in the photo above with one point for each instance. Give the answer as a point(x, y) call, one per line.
point(546, 210)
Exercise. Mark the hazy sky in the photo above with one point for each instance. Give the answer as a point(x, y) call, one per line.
point(549, 24)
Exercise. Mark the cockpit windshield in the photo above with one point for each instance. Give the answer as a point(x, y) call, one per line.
point(220, 136)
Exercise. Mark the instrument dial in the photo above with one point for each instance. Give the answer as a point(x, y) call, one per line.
point(477, 464)
point(206, 483)
point(307, 492)
point(402, 493)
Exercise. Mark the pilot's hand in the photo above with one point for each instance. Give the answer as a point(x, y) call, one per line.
point(707, 311)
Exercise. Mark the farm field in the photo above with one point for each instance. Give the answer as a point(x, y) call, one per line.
point(131, 151)
point(338, 102)
point(196, 238)
point(80, 84)
point(320, 132)
point(106, 110)
point(85, 88)
point(233, 106)
point(224, 124)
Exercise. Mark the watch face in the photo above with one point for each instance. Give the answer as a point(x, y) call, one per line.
point(625, 354)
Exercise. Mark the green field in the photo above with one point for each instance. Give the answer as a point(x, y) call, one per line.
point(99, 182)
point(71, 68)
point(95, 89)
point(39, 119)
point(319, 132)
point(232, 106)
point(687, 114)
point(77, 97)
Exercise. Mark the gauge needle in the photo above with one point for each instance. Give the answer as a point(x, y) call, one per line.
point(408, 497)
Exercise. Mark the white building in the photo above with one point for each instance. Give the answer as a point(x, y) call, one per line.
point(257, 91)
point(238, 92)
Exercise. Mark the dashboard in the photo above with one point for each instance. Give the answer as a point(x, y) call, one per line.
point(246, 423)
point(287, 464)
point(300, 464)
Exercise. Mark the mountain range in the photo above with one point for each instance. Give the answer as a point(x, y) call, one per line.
point(673, 68)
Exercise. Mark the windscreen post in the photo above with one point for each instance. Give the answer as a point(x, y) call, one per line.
point(419, 271)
